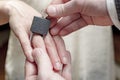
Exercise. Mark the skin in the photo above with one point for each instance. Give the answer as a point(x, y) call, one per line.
point(77, 14)
point(80, 13)
point(20, 16)
point(42, 68)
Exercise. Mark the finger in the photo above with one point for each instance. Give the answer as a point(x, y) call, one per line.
point(30, 71)
point(63, 22)
point(45, 69)
point(52, 51)
point(67, 68)
point(73, 27)
point(38, 42)
point(61, 10)
point(43, 62)
point(61, 49)
point(26, 44)
point(53, 21)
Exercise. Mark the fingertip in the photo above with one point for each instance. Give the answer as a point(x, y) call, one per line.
point(67, 68)
point(58, 66)
point(69, 56)
point(64, 60)
point(29, 55)
point(30, 58)
point(51, 10)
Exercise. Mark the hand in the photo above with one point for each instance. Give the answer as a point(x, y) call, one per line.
point(20, 20)
point(77, 14)
point(43, 70)
point(54, 46)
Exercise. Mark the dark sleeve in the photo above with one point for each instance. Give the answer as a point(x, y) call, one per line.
point(4, 27)
point(117, 4)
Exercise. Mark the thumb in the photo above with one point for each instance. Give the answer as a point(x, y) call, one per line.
point(61, 10)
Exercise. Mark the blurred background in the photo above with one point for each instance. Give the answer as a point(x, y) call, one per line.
point(4, 36)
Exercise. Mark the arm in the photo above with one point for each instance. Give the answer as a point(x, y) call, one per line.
point(3, 13)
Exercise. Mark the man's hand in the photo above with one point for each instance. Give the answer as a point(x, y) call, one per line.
point(43, 70)
point(77, 14)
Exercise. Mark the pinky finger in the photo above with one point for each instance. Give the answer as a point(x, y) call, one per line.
point(26, 45)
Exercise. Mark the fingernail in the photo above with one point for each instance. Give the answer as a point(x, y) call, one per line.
point(58, 66)
point(51, 10)
point(64, 60)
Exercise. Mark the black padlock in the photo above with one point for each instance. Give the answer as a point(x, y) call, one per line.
point(40, 26)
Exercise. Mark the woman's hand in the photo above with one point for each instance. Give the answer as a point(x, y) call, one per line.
point(20, 20)
point(43, 70)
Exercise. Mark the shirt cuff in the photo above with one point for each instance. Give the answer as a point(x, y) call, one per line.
point(113, 13)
